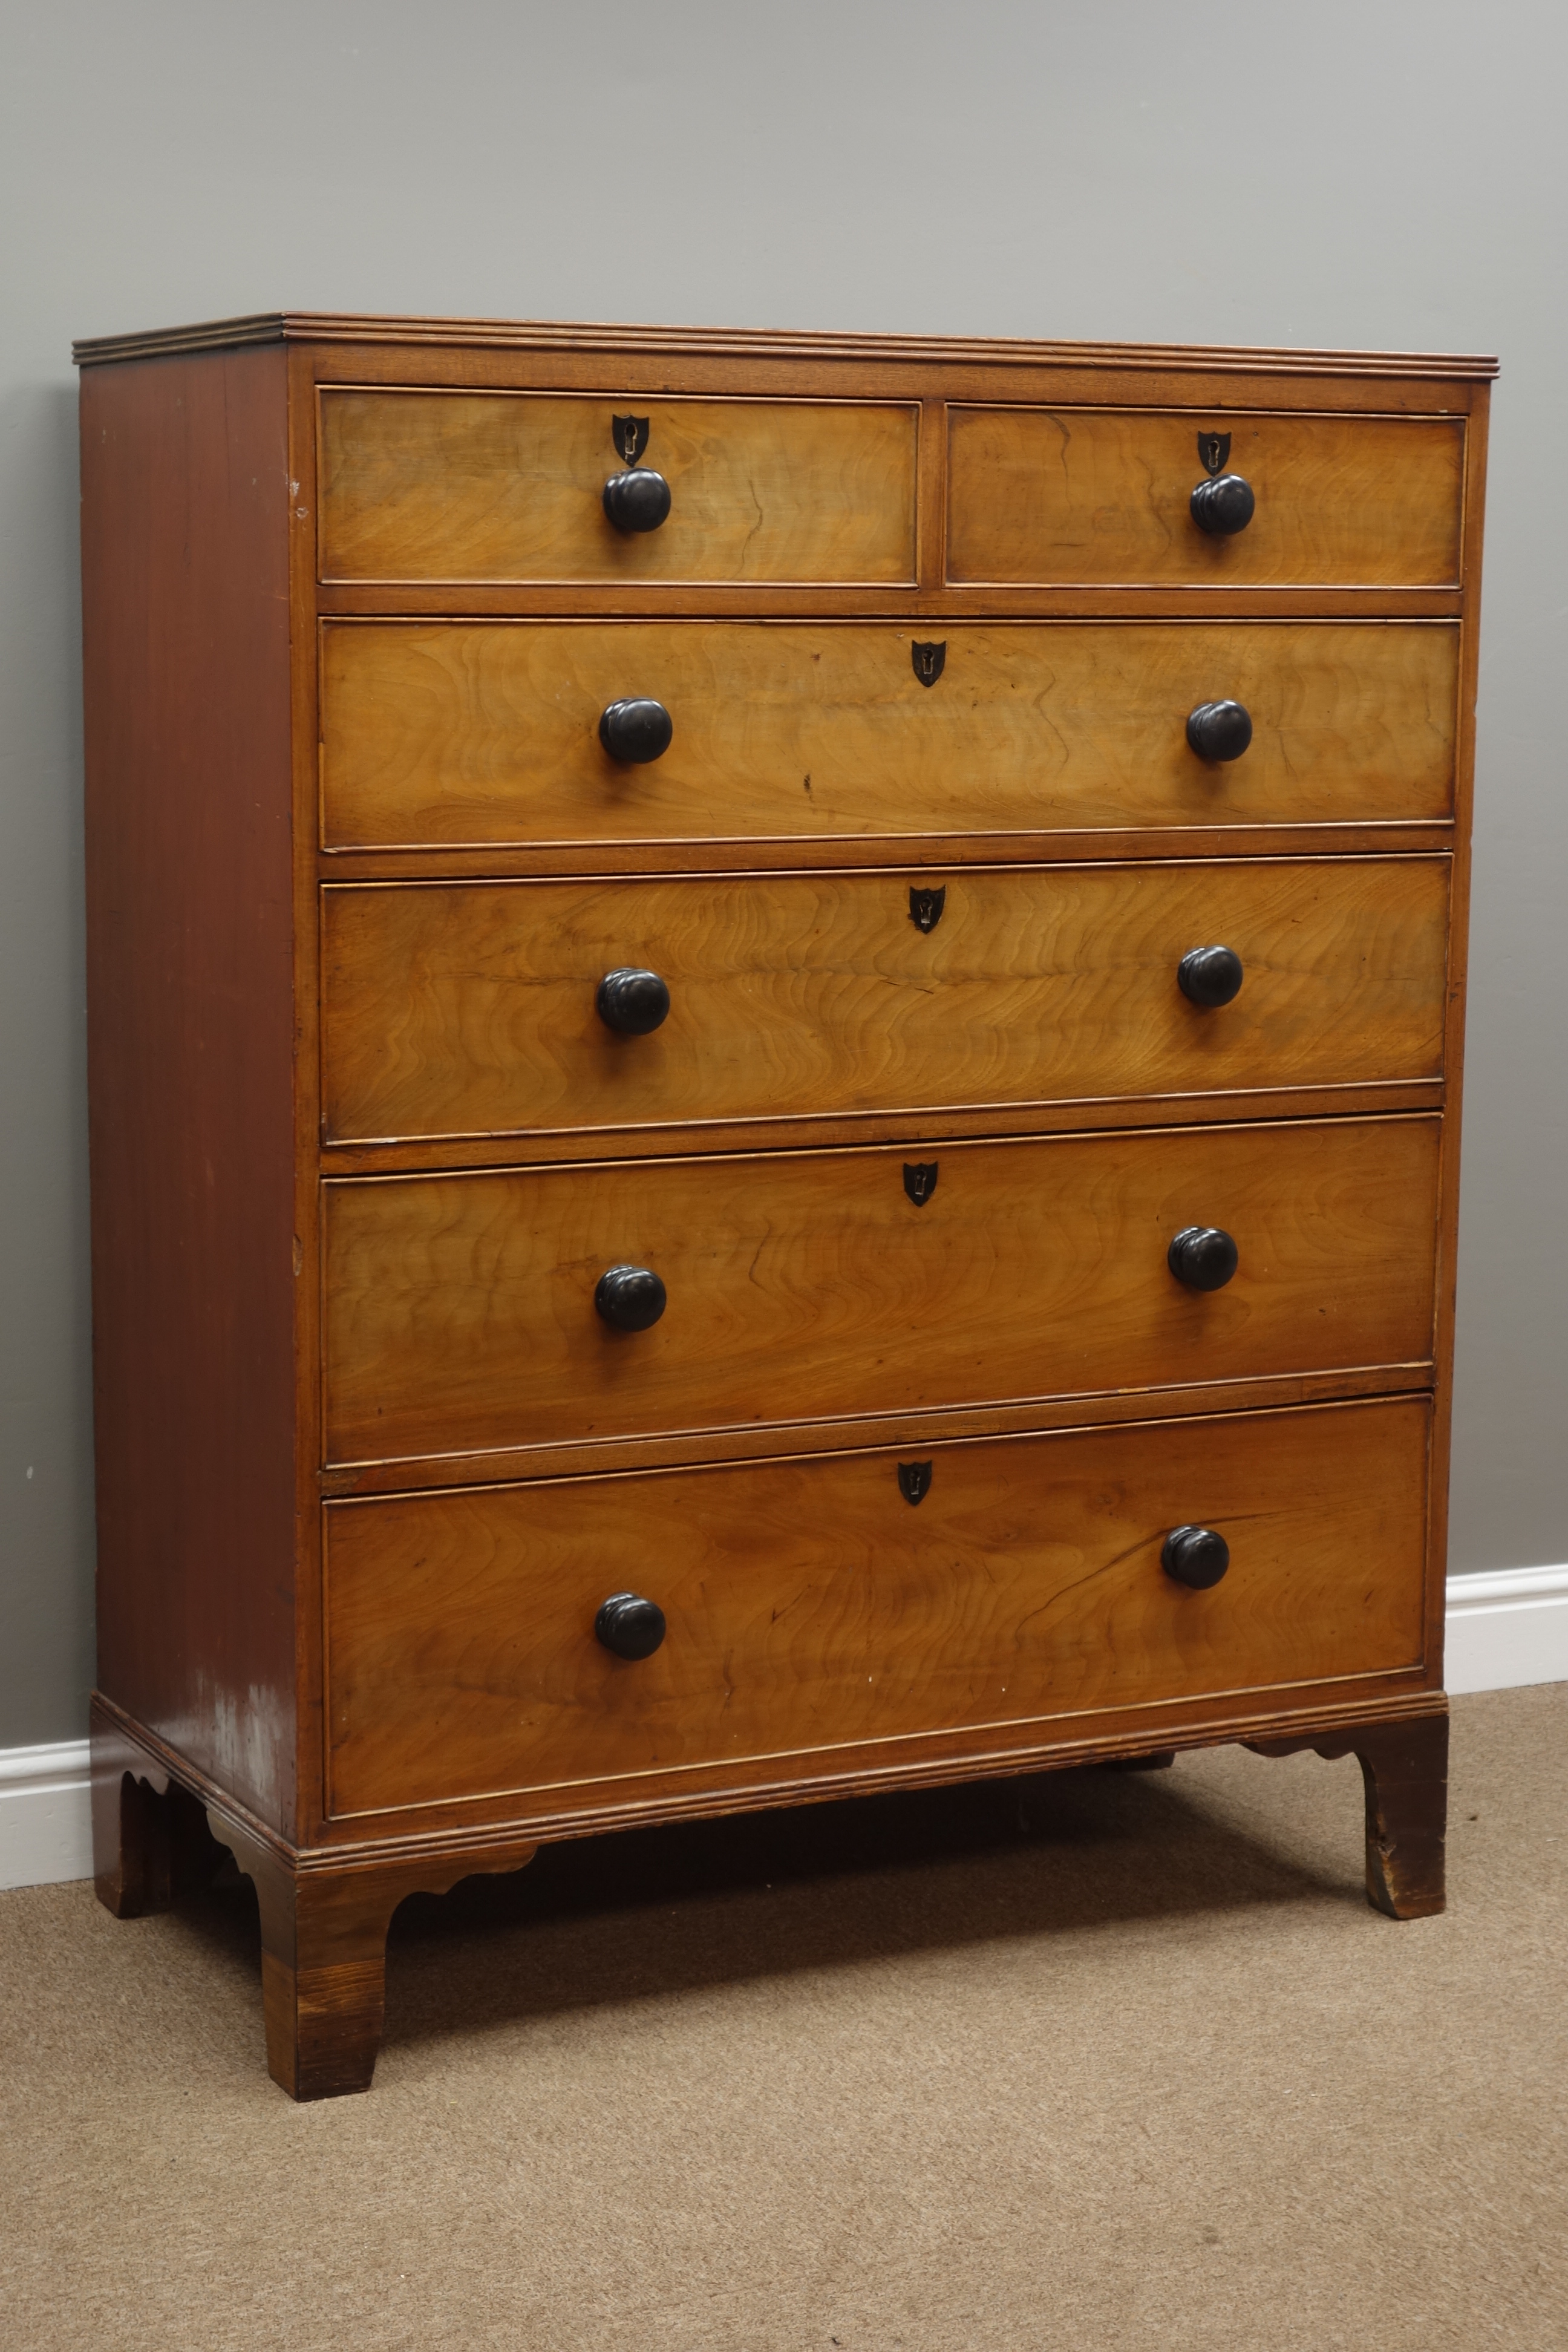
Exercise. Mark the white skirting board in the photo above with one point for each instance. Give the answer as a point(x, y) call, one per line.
point(1505, 1628)
point(45, 1820)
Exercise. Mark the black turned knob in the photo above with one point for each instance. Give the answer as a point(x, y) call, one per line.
point(1202, 1257)
point(636, 730)
point(635, 1001)
point(1210, 976)
point(632, 1297)
point(631, 1626)
point(1195, 1556)
point(638, 499)
point(1219, 730)
point(1223, 505)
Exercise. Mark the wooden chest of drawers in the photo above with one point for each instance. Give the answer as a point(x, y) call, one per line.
point(775, 1029)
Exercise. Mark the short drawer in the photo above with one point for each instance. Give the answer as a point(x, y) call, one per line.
point(508, 486)
point(1062, 498)
point(452, 732)
point(460, 1009)
point(811, 1610)
point(460, 1310)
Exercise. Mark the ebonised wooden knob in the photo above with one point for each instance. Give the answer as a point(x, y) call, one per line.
point(632, 1297)
point(638, 499)
point(636, 730)
point(1219, 730)
point(1195, 1556)
point(1210, 976)
point(1202, 1257)
point(633, 1002)
point(629, 1625)
point(1223, 505)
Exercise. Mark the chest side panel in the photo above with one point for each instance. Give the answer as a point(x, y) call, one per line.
point(191, 1054)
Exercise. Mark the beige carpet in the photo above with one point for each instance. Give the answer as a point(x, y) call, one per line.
point(1092, 2060)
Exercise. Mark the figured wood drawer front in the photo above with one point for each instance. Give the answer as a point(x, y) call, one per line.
point(460, 1314)
point(1067, 496)
point(809, 1608)
point(433, 486)
point(447, 732)
point(457, 1008)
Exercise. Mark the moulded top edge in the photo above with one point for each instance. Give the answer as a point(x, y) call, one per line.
point(334, 327)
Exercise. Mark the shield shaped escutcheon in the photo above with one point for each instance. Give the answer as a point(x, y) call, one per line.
point(914, 1481)
point(928, 660)
point(925, 907)
point(920, 1180)
point(1213, 452)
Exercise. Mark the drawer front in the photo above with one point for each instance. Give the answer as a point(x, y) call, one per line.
point(1062, 498)
point(447, 732)
point(469, 1008)
point(809, 1608)
point(460, 1316)
point(432, 486)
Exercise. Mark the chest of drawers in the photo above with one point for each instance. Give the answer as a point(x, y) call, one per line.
point(775, 1041)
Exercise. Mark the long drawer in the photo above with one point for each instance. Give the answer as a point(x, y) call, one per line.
point(1072, 495)
point(453, 1009)
point(811, 1608)
point(460, 1310)
point(448, 486)
point(452, 732)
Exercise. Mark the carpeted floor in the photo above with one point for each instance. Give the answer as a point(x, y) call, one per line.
point(1092, 2060)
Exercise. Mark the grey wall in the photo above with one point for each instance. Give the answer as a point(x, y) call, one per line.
point(1388, 173)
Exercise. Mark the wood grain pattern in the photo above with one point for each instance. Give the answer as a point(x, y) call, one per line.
point(160, 1828)
point(449, 732)
point(810, 1606)
point(489, 1832)
point(323, 1953)
point(1405, 1771)
point(460, 1315)
point(1083, 493)
point(1458, 957)
point(306, 740)
point(436, 485)
point(150, 1840)
point(191, 1054)
point(678, 1450)
point(390, 345)
point(485, 863)
point(931, 608)
point(468, 1009)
